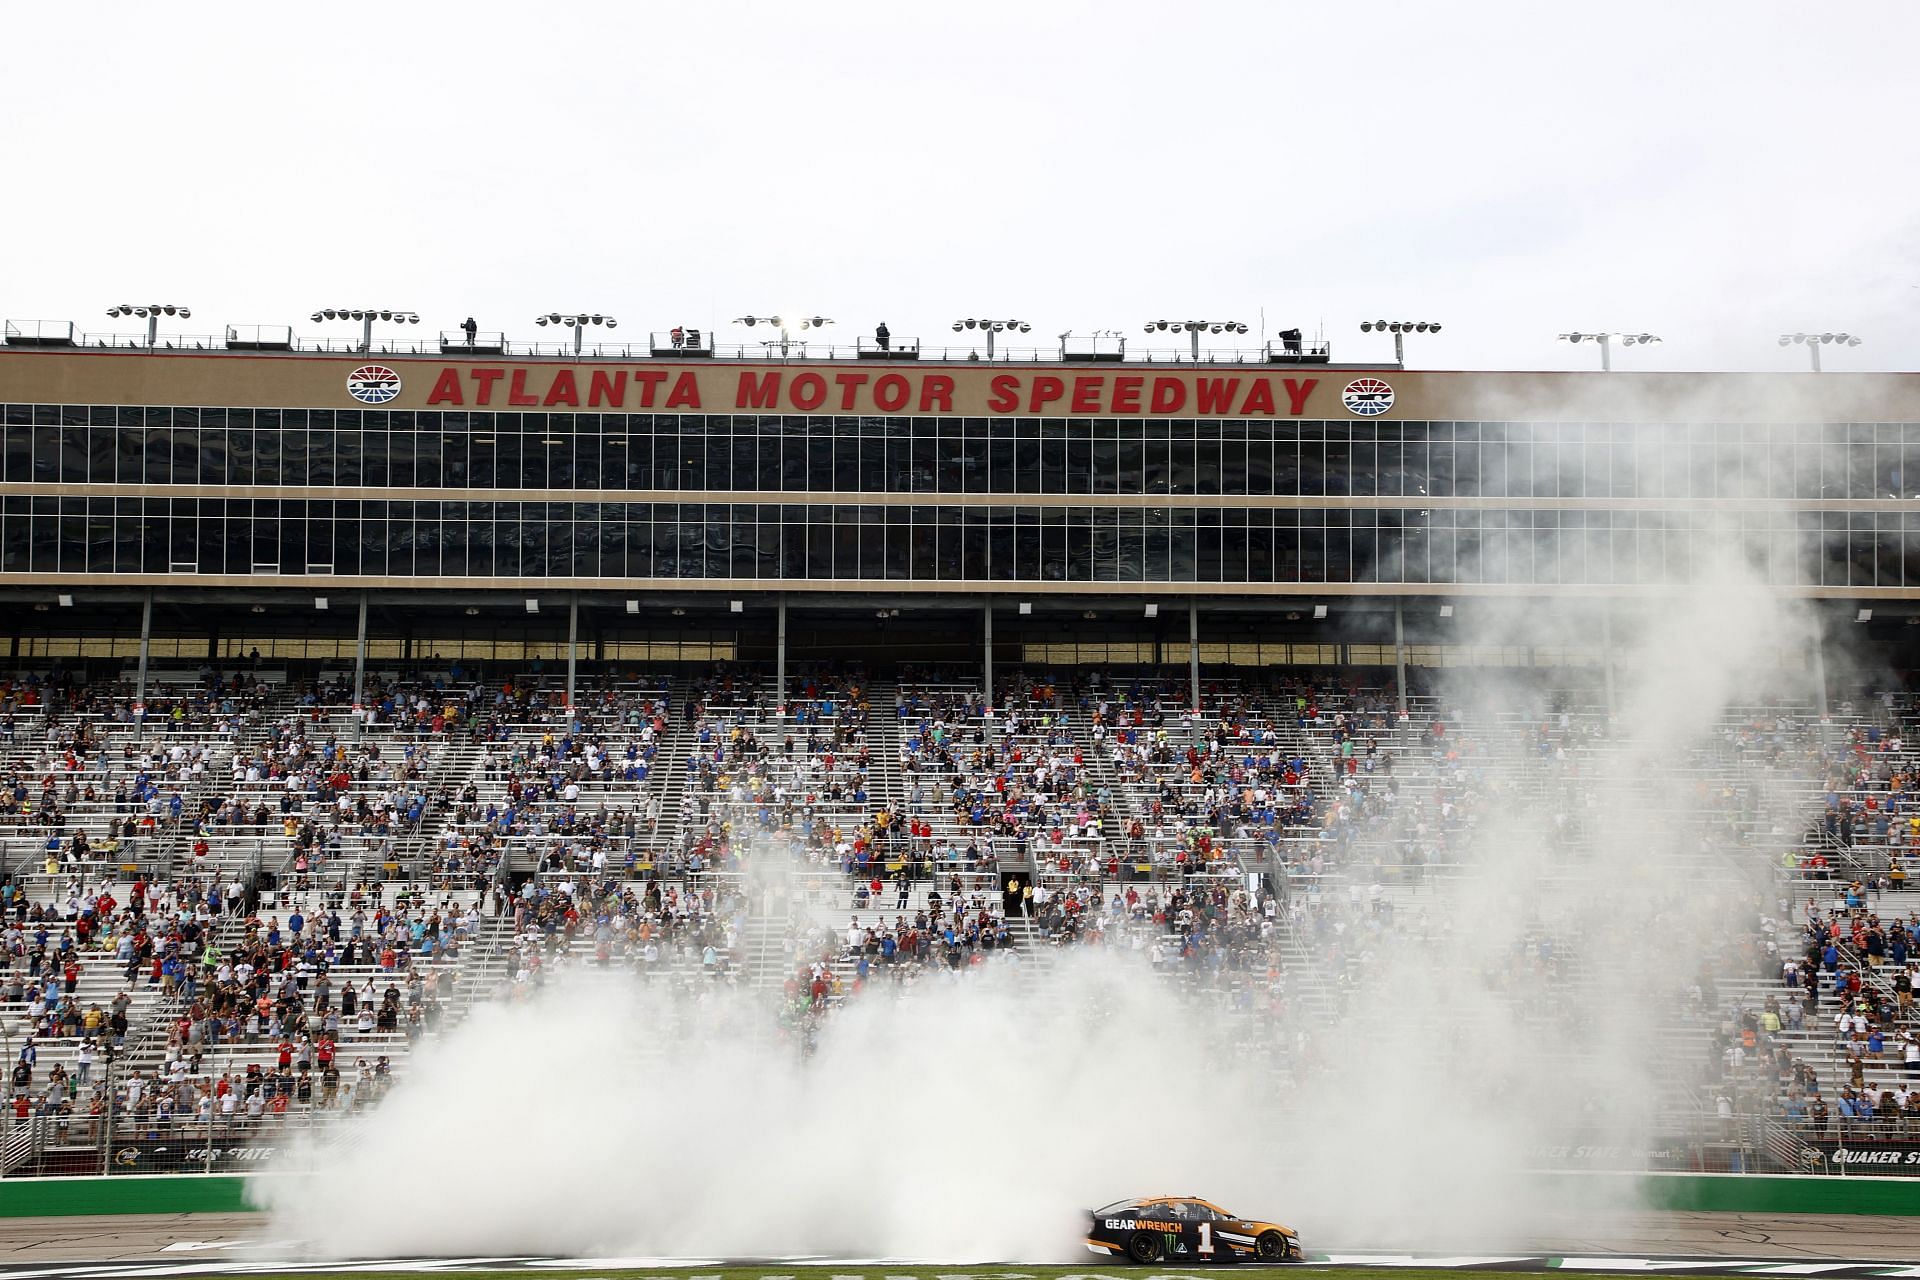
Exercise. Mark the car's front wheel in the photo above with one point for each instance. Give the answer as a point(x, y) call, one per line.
point(1147, 1246)
point(1270, 1247)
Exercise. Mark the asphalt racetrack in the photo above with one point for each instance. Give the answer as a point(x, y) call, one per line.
point(185, 1245)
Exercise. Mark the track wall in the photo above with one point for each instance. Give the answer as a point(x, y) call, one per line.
point(1715, 1193)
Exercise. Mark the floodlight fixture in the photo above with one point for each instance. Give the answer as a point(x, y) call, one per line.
point(66, 601)
point(320, 603)
point(1194, 328)
point(737, 606)
point(1026, 607)
point(785, 324)
point(1865, 615)
point(366, 316)
point(1605, 339)
point(533, 604)
point(1319, 612)
point(633, 606)
point(1399, 329)
point(151, 313)
point(1446, 611)
point(578, 322)
point(1153, 611)
point(992, 327)
point(1814, 341)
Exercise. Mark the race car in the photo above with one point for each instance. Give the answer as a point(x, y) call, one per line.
point(1184, 1227)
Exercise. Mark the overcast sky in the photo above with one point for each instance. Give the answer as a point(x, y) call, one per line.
point(1716, 173)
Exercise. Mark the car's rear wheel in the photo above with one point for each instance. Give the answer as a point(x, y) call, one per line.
point(1270, 1247)
point(1147, 1246)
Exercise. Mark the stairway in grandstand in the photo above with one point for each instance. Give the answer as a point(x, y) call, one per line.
point(667, 779)
point(886, 782)
point(765, 951)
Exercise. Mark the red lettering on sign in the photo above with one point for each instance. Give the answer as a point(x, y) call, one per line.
point(607, 390)
point(1006, 393)
point(685, 393)
point(936, 393)
point(1126, 395)
point(447, 389)
point(563, 391)
point(852, 382)
point(758, 393)
point(486, 378)
point(1297, 393)
point(1169, 395)
point(1086, 393)
point(891, 393)
point(1215, 395)
point(517, 389)
point(1046, 389)
point(1259, 398)
point(809, 391)
point(648, 380)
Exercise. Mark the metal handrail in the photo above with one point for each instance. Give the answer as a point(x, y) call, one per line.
point(658, 346)
point(39, 331)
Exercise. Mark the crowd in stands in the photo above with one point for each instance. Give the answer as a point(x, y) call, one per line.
point(651, 928)
point(622, 833)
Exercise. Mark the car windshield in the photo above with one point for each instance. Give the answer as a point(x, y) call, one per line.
point(1115, 1207)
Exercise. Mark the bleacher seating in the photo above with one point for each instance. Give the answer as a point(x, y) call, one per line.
point(451, 840)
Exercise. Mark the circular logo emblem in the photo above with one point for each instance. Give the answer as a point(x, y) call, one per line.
point(1364, 397)
point(377, 384)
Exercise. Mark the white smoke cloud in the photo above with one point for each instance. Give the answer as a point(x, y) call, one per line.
point(974, 1120)
point(1513, 1005)
point(977, 1118)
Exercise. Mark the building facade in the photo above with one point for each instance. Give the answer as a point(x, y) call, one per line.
point(718, 484)
point(124, 468)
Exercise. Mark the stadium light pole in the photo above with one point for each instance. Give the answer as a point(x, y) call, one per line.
point(1196, 328)
point(1193, 652)
point(986, 614)
point(578, 322)
point(1399, 329)
point(151, 313)
point(366, 316)
point(140, 679)
point(992, 327)
point(803, 323)
point(1606, 343)
point(1815, 341)
point(780, 660)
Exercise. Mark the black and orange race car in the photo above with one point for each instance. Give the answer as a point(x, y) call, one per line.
point(1164, 1228)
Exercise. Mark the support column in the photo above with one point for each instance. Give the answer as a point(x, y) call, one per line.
point(1819, 669)
point(1400, 653)
point(780, 658)
point(573, 643)
point(1193, 652)
point(1606, 654)
point(146, 644)
point(360, 662)
point(988, 668)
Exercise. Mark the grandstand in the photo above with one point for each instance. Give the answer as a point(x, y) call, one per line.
point(488, 669)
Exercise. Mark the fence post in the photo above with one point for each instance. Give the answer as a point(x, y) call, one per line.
point(106, 1138)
